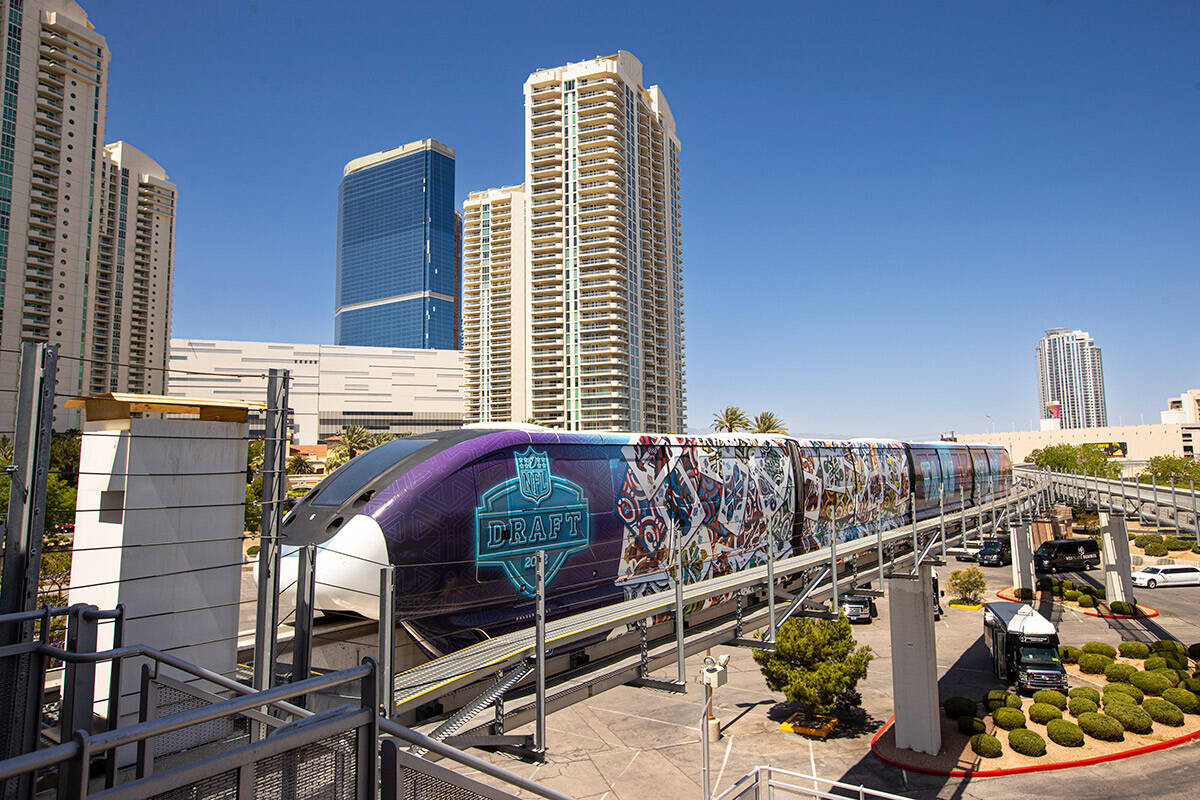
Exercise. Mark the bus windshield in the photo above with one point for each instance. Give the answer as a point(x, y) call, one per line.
point(1039, 656)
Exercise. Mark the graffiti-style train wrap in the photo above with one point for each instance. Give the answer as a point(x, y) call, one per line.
point(462, 514)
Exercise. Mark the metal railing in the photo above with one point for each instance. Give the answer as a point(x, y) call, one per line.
point(766, 783)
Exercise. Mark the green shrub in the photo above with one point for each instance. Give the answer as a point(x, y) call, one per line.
point(1117, 699)
point(1174, 660)
point(1056, 699)
point(995, 698)
point(1132, 718)
point(1094, 663)
point(1132, 536)
point(1082, 705)
point(1068, 654)
point(1191, 684)
point(1119, 673)
point(960, 706)
point(1127, 609)
point(1150, 682)
point(1064, 733)
point(1072, 595)
point(1154, 662)
point(1008, 718)
point(1013, 700)
point(1087, 601)
point(1104, 728)
point(1173, 545)
point(1125, 688)
point(1057, 588)
point(1045, 584)
point(1168, 646)
point(1163, 711)
point(1134, 649)
point(986, 745)
point(252, 550)
point(1147, 538)
point(1185, 699)
point(1084, 691)
point(1106, 650)
point(1068, 586)
point(1027, 743)
point(1023, 594)
point(970, 725)
point(1041, 713)
point(1193, 651)
point(1155, 550)
point(1169, 675)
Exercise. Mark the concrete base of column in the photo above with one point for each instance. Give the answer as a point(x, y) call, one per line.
point(914, 663)
point(1114, 546)
point(1022, 555)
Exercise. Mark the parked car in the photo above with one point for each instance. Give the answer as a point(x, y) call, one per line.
point(857, 608)
point(968, 552)
point(995, 552)
point(1057, 555)
point(1150, 577)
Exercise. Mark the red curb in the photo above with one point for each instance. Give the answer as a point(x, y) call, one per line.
point(995, 773)
point(1150, 612)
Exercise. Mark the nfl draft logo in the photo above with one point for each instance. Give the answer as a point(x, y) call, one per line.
point(534, 511)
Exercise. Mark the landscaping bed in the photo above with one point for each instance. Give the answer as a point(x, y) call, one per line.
point(1073, 597)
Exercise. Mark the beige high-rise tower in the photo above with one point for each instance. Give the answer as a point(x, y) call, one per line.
point(496, 332)
point(72, 271)
point(603, 256)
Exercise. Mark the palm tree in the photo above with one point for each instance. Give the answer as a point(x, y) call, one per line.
point(6, 450)
point(766, 422)
point(381, 438)
point(298, 465)
point(355, 440)
point(731, 419)
point(531, 421)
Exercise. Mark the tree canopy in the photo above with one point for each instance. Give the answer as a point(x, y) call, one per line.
point(816, 663)
point(767, 422)
point(1164, 469)
point(1074, 458)
point(730, 419)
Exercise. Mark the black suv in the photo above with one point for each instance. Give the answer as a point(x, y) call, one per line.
point(995, 552)
point(1058, 555)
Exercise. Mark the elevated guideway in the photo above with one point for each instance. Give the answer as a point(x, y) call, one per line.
point(1172, 506)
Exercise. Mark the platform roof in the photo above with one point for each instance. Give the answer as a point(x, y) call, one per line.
point(120, 405)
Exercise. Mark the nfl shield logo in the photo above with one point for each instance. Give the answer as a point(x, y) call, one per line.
point(533, 474)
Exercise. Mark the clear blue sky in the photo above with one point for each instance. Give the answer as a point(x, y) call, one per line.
point(884, 204)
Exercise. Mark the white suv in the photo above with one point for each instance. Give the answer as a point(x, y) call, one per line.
point(1167, 576)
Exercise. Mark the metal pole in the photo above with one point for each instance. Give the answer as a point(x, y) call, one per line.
point(306, 583)
point(387, 638)
point(539, 742)
point(704, 779)
point(833, 575)
point(879, 549)
point(1154, 497)
point(1174, 506)
point(962, 515)
point(266, 631)
point(942, 518)
point(680, 655)
point(912, 509)
point(1195, 510)
point(1137, 503)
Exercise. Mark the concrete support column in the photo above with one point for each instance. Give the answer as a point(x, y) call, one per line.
point(1114, 546)
point(1022, 555)
point(914, 663)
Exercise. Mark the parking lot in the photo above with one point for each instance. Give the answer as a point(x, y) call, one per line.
point(636, 743)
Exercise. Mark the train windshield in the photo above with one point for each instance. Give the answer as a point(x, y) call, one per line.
point(361, 469)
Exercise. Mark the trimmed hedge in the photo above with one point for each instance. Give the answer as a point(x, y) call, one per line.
point(1084, 691)
point(1104, 728)
point(1072, 595)
point(1027, 743)
point(986, 745)
point(1186, 700)
point(1013, 700)
point(1163, 711)
point(1150, 682)
point(1068, 586)
point(1191, 684)
point(1173, 545)
point(1127, 689)
point(1117, 699)
point(1146, 538)
point(1094, 663)
point(1041, 713)
point(1154, 549)
point(1134, 649)
point(1081, 705)
point(1154, 662)
point(1069, 655)
point(1119, 673)
point(1087, 601)
point(1023, 594)
point(1008, 718)
point(960, 706)
point(971, 725)
point(1054, 698)
point(1044, 584)
point(1133, 718)
point(1106, 650)
point(1168, 646)
point(1064, 733)
point(1128, 609)
point(1169, 675)
point(1193, 651)
point(994, 699)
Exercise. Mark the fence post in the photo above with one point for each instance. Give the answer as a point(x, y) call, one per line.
point(79, 689)
point(306, 585)
point(1154, 497)
point(680, 656)
point(20, 704)
point(539, 744)
point(266, 631)
point(387, 638)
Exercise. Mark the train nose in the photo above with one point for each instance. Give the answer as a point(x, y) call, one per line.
point(347, 568)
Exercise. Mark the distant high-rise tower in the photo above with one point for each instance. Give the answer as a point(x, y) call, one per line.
point(397, 267)
point(86, 230)
point(1071, 379)
point(602, 241)
point(496, 329)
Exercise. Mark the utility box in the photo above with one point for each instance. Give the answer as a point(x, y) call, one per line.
point(1054, 525)
point(159, 526)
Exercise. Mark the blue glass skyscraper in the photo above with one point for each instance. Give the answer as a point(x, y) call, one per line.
point(397, 254)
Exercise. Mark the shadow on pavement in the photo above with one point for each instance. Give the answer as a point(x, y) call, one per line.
point(1142, 630)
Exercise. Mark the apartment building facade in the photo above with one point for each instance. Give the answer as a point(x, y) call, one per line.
point(1071, 377)
point(397, 249)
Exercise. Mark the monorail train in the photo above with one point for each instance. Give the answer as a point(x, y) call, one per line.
point(462, 514)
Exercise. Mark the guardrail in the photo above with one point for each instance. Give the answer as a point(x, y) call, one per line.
point(766, 783)
point(1170, 505)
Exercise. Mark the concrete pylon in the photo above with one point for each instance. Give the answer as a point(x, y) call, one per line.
point(914, 663)
point(1022, 555)
point(1118, 571)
